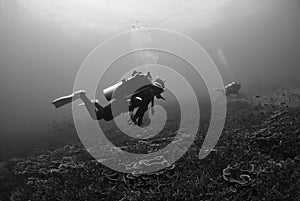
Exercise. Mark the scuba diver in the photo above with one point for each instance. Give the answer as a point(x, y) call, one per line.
point(135, 92)
point(141, 99)
point(231, 88)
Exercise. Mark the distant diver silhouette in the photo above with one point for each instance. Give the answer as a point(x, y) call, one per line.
point(135, 92)
point(231, 88)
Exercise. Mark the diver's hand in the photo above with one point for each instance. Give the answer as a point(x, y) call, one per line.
point(152, 111)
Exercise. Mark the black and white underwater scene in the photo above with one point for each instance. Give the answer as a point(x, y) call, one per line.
point(145, 100)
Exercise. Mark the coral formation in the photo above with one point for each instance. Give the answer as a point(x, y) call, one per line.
point(256, 158)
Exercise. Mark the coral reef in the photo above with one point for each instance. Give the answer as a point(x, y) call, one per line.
point(256, 158)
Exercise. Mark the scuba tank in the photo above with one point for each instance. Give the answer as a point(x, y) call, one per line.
point(128, 86)
point(108, 92)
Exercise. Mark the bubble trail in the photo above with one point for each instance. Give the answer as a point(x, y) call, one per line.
point(141, 38)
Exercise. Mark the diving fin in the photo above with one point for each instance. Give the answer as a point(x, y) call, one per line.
point(67, 99)
point(63, 101)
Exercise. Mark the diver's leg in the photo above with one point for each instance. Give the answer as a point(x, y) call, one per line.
point(97, 112)
point(106, 113)
point(97, 105)
point(94, 109)
point(130, 109)
point(132, 106)
point(140, 114)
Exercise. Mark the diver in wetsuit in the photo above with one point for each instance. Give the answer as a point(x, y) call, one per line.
point(143, 97)
point(140, 98)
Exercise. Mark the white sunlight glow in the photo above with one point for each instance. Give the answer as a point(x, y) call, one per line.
point(118, 15)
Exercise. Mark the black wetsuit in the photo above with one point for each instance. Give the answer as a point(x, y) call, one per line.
point(141, 99)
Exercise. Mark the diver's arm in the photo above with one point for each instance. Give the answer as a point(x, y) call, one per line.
point(152, 102)
point(152, 105)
